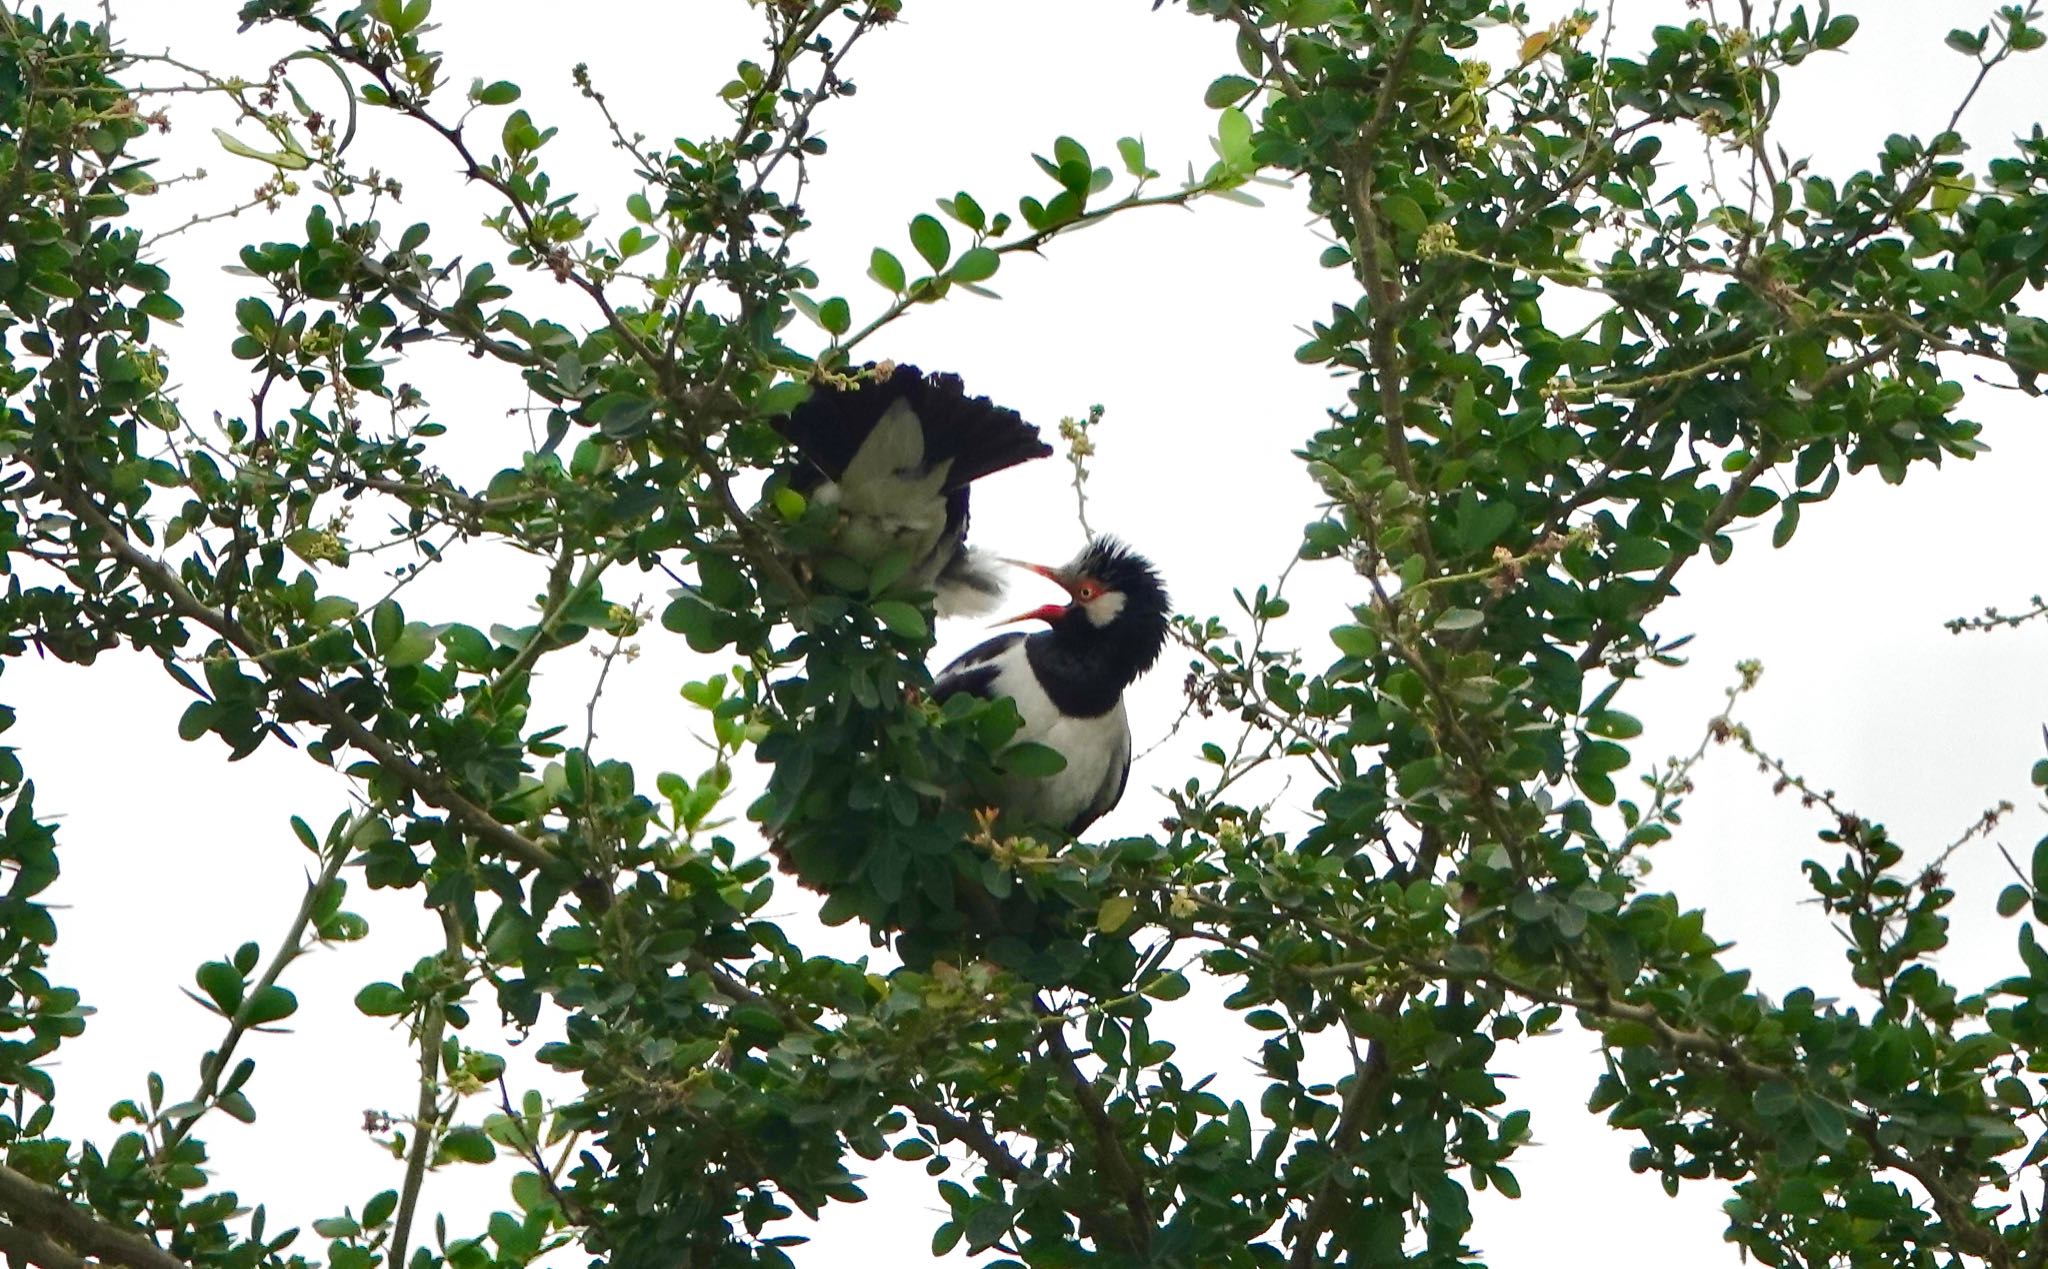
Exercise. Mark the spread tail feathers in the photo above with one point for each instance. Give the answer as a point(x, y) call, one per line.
point(970, 436)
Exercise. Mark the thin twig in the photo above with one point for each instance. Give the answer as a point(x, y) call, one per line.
point(289, 950)
point(428, 1118)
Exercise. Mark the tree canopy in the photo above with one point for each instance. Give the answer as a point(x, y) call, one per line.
point(1599, 321)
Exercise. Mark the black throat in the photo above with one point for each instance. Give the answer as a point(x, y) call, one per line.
point(1082, 669)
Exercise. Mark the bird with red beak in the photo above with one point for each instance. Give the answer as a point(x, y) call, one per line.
point(1068, 681)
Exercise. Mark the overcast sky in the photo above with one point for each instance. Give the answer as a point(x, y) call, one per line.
point(1183, 326)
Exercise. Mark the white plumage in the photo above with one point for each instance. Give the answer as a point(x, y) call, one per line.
point(887, 497)
point(1097, 747)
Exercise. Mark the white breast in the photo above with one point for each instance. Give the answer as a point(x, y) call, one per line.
point(1096, 749)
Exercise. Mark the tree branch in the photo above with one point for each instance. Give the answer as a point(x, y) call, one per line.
point(1109, 1146)
point(1724, 511)
point(428, 1115)
point(319, 706)
point(50, 1218)
point(20, 1243)
point(1379, 275)
point(1368, 1082)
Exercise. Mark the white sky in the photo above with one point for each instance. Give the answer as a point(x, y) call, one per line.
point(1183, 325)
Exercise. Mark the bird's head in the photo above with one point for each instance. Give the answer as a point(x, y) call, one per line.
point(1116, 602)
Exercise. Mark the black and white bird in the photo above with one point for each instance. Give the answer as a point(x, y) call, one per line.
point(895, 452)
point(1068, 681)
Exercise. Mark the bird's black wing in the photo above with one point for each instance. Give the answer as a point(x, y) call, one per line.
point(975, 671)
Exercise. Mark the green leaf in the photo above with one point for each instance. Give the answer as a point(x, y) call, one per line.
point(387, 621)
point(379, 1208)
point(382, 1000)
point(467, 647)
point(975, 264)
point(466, 1145)
point(929, 237)
point(1132, 151)
point(502, 93)
point(1834, 35)
point(2012, 899)
point(987, 1226)
point(1227, 90)
point(1965, 42)
point(1114, 913)
point(1628, 1034)
point(1639, 553)
point(1614, 724)
point(288, 160)
point(1355, 641)
point(835, 316)
point(272, 1004)
point(161, 306)
point(1170, 985)
point(843, 572)
point(1602, 757)
point(196, 721)
point(1403, 213)
point(1829, 1126)
point(903, 620)
point(413, 645)
point(1234, 138)
point(888, 569)
point(1788, 523)
point(623, 415)
point(1775, 1098)
point(886, 269)
point(330, 609)
point(222, 984)
point(1031, 760)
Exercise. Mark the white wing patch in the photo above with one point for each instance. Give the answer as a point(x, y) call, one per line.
point(974, 584)
point(886, 501)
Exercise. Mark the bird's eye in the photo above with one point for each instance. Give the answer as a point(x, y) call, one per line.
point(1088, 592)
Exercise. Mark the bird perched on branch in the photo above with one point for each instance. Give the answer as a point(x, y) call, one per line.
point(895, 452)
point(1068, 681)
